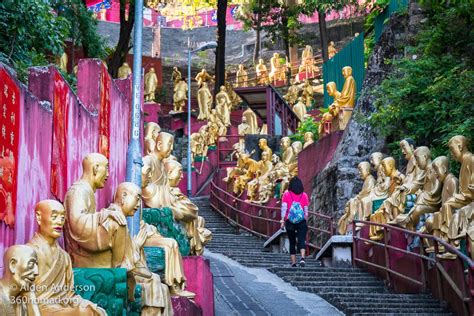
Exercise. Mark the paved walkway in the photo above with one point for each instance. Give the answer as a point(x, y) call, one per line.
point(246, 291)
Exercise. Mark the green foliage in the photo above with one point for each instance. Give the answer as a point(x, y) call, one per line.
point(308, 125)
point(429, 95)
point(29, 33)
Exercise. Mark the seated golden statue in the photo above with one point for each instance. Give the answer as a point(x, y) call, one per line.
point(217, 129)
point(94, 238)
point(176, 75)
point(262, 73)
point(180, 96)
point(124, 71)
point(307, 62)
point(347, 98)
point(288, 156)
point(353, 208)
point(202, 77)
point(308, 139)
point(429, 198)
point(17, 294)
point(381, 215)
point(263, 145)
point(204, 101)
point(307, 93)
point(332, 51)
point(250, 171)
point(325, 125)
point(198, 145)
point(241, 77)
point(279, 173)
point(292, 95)
point(277, 72)
point(151, 83)
point(252, 121)
point(381, 188)
point(54, 266)
point(262, 176)
point(233, 172)
point(265, 193)
point(223, 106)
point(300, 109)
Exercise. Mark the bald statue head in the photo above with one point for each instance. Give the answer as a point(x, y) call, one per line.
point(388, 165)
point(152, 130)
point(347, 71)
point(262, 143)
point(458, 147)
point(331, 88)
point(285, 143)
point(364, 169)
point(174, 170)
point(21, 268)
point(407, 146)
point(441, 167)
point(297, 147)
point(147, 171)
point(128, 197)
point(376, 159)
point(95, 169)
point(164, 145)
point(308, 136)
point(50, 216)
point(422, 157)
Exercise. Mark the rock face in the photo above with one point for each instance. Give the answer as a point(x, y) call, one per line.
point(339, 181)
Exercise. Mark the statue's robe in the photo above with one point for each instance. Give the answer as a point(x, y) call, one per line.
point(55, 282)
point(205, 102)
point(92, 238)
point(348, 93)
point(6, 306)
point(353, 207)
point(251, 120)
point(151, 81)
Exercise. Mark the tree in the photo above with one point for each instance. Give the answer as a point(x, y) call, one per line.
point(123, 45)
point(220, 51)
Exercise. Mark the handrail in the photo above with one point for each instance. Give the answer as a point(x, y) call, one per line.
point(461, 290)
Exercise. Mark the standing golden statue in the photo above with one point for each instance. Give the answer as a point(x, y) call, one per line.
point(263, 145)
point(347, 98)
point(242, 78)
point(223, 106)
point(61, 62)
point(292, 94)
point(217, 129)
point(332, 51)
point(307, 93)
point(308, 139)
point(251, 120)
point(300, 109)
point(124, 71)
point(276, 71)
point(55, 267)
point(17, 293)
point(180, 96)
point(151, 83)
point(176, 75)
point(261, 73)
point(203, 76)
point(353, 208)
point(204, 101)
point(307, 62)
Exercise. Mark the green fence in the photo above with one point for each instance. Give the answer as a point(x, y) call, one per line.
point(394, 6)
point(351, 55)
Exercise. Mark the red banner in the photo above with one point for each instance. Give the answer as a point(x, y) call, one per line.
point(9, 146)
point(59, 152)
point(104, 114)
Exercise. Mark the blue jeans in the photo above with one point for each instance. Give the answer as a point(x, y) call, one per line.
point(296, 231)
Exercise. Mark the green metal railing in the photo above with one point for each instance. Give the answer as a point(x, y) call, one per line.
point(393, 7)
point(351, 55)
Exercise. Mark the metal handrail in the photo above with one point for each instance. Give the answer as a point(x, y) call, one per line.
point(441, 274)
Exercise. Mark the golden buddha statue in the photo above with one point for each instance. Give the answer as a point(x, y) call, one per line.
point(332, 51)
point(261, 73)
point(241, 77)
point(381, 189)
point(276, 71)
point(265, 193)
point(223, 106)
point(429, 197)
point(300, 109)
point(307, 93)
point(251, 119)
point(251, 169)
point(124, 71)
point(307, 62)
point(297, 148)
point(262, 176)
point(17, 292)
point(61, 62)
point(381, 215)
point(308, 139)
point(325, 125)
point(202, 77)
point(151, 82)
point(292, 94)
point(263, 145)
point(55, 267)
point(331, 89)
point(347, 98)
point(288, 156)
point(353, 208)
point(216, 127)
point(176, 75)
point(279, 173)
point(180, 96)
point(94, 238)
point(204, 101)
point(152, 130)
point(198, 145)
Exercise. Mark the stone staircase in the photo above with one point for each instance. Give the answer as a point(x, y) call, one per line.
point(351, 290)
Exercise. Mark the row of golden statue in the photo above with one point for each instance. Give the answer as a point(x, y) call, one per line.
point(38, 277)
point(437, 202)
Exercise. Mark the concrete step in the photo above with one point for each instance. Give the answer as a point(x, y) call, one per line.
point(347, 279)
point(352, 289)
point(405, 314)
point(399, 311)
point(334, 284)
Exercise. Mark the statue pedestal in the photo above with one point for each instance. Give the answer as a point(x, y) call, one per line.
point(199, 280)
point(336, 252)
point(344, 116)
